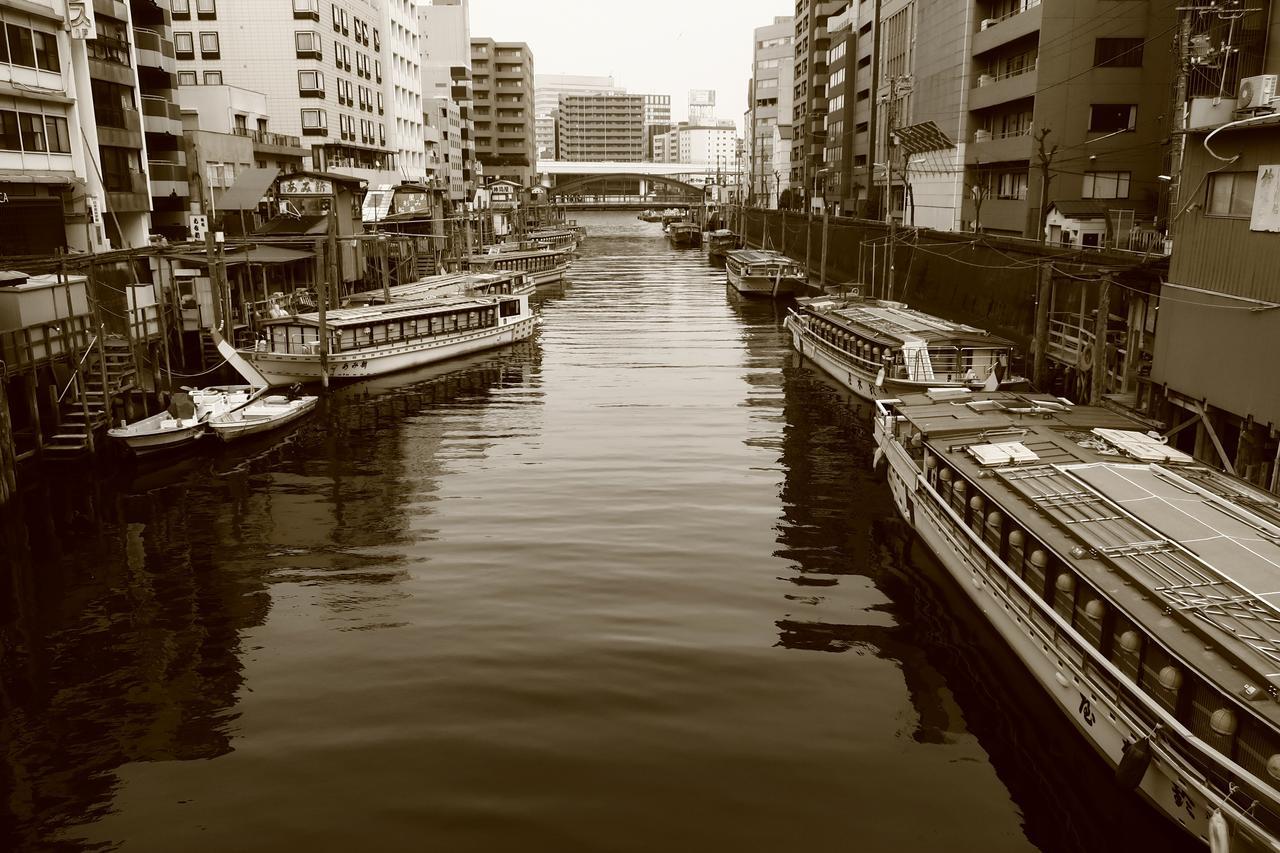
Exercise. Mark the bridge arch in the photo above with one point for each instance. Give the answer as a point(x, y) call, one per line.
point(576, 185)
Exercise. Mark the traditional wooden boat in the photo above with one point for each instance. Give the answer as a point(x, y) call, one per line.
point(1136, 585)
point(672, 214)
point(544, 266)
point(721, 242)
point(263, 414)
point(878, 348)
point(502, 283)
point(684, 235)
point(184, 421)
point(760, 272)
point(371, 340)
point(557, 237)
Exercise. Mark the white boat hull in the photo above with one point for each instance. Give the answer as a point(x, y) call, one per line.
point(154, 442)
point(287, 368)
point(756, 285)
point(228, 428)
point(1087, 702)
point(551, 276)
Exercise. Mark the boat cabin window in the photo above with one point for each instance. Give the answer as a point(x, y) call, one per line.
point(509, 307)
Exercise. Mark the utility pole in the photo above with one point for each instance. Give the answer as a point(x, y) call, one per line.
point(1100, 340)
point(1044, 303)
point(898, 85)
point(1045, 158)
point(822, 271)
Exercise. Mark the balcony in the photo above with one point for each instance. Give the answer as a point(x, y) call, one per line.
point(127, 192)
point(999, 214)
point(994, 32)
point(266, 142)
point(168, 180)
point(159, 115)
point(999, 148)
point(109, 49)
point(992, 91)
point(153, 50)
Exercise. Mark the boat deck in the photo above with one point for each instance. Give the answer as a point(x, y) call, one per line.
point(759, 256)
point(337, 318)
point(1163, 535)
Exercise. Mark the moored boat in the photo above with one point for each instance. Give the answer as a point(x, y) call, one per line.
point(721, 242)
point(371, 340)
point(878, 348)
point(650, 216)
point(544, 266)
point(184, 421)
point(263, 414)
point(1134, 583)
point(759, 272)
point(500, 283)
point(684, 235)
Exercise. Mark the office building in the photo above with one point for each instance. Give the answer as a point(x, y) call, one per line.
point(657, 119)
point(444, 34)
point(702, 107)
point(597, 128)
point(502, 86)
point(768, 166)
point(809, 96)
point(344, 75)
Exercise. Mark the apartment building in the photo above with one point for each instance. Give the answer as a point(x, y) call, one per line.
point(713, 146)
point(152, 37)
point(1096, 77)
point(502, 86)
point(547, 89)
point(340, 74)
point(657, 119)
point(769, 100)
point(444, 33)
point(809, 94)
point(599, 127)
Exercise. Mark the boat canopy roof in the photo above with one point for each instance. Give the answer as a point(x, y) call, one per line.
point(509, 254)
point(364, 315)
point(1161, 533)
point(759, 256)
point(443, 284)
point(896, 324)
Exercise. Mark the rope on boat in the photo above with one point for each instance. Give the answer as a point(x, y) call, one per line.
point(194, 375)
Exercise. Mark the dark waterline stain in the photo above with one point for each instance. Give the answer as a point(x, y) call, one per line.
point(629, 586)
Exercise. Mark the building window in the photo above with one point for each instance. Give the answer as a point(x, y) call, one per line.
point(1105, 185)
point(209, 46)
point(311, 84)
point(213, 78)
point(1112, 118)
point(181, 9)
point(22, 48)
point(184, 45)
point(315, 122)
point(1231, 194)
point(10, 139)
point(306, 9)
point(206, 9)
point(47, 52)
point(56, 135)
point(307, 44)
point(1117, 52)
point(119, 165)
point(186, 78)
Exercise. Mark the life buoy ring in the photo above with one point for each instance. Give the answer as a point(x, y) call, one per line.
point(1084, 359)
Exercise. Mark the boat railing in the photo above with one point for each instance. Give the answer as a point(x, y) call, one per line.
point(1071, 342)
point(1191, 758)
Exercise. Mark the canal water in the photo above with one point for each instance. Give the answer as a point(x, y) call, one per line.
point(628, 586)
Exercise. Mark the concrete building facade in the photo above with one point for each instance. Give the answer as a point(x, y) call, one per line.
point(502, 84)
point(657, 119)
point(600, 127)
point(547, 89)
point(444, 38)
point(809, 95)
point(717, 145)
point(769, 94)
point(329, 71)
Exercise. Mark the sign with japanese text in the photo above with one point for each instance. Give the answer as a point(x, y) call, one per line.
point(80, 23)
point(1266, 200)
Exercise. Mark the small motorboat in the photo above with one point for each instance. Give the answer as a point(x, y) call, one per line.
point(684, 235)
point(185, 420)
point(263, 414)
point(721, 242)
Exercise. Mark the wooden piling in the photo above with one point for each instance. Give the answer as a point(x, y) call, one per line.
point(8, 453)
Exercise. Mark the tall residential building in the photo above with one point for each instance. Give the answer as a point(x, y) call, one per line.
point(715, 146)
point(768, 104)
point(502, 83)
point(657, 114)
point(444, 34)
point(152, 38)
point(339, 73)
point(847, 174)
point(547, 89)
point(809, 90)
point(600, 128)
point(1102, 93)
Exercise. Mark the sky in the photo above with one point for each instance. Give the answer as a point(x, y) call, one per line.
point(664, 47)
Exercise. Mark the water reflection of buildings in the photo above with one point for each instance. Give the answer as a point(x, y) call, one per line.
point(124, 613)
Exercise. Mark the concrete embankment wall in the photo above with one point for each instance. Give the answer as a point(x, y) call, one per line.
point(985, 281)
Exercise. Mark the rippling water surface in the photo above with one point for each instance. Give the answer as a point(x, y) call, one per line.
point(629, 586)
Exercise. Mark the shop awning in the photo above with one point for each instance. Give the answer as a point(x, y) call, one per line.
point(18, 176)
point(248, 190)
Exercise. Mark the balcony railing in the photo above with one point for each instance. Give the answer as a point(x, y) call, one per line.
point(108, 49)
point(987, 77)
point(266, 137)
point(987, 23)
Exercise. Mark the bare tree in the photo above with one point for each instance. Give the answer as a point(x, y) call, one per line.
point(1044, 155)
point(979, 191)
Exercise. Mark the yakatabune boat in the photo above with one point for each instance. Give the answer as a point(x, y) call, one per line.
point(721, 242)
point(761, 272)
point(1138, 586)
point(684, 235)
point(544, 266)
point(882, 349)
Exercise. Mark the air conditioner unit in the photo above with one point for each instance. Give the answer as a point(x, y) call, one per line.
point(985, 79)
point(981, 135)
point(1257, 92)
point(989, 22)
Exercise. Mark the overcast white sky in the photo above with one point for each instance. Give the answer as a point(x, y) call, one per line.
point(649, 46)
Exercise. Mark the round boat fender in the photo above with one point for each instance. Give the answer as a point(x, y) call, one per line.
point(879, 462)
point(1084, 360)
point(1219, 833)
point(1133, 766)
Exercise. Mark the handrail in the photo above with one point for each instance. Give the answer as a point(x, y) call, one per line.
point(79, 364)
